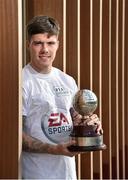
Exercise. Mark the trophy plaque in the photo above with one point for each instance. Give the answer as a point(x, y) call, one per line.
point(85, 103)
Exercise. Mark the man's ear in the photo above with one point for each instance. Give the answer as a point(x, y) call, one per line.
point(27, 44)
point(58, 44)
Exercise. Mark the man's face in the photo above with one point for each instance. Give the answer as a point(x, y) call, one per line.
point(42, 48)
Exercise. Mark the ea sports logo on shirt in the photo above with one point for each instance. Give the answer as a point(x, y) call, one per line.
point(57, 127)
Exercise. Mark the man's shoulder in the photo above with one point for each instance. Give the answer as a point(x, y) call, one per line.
point(26, 74)
point(62, 73)
point(26, 68)
point(66, 78)
point(26, 71)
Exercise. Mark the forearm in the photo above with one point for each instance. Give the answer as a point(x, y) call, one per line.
point(33, 145)
point(30, 144)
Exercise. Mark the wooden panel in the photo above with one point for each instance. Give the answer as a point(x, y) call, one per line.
point(73, 50)
point(96, 74)
point(126, 89)
point(113, 90)
point(106, 73)
point(85, 43)
point(85, 70)
point(112, 87)
point(8, 89)
point(71, 38)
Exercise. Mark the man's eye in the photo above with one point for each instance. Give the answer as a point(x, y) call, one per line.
point(37, 43)
point(51, 43)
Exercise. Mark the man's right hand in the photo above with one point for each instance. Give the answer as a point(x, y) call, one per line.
point(62, 149)
point(33, 145)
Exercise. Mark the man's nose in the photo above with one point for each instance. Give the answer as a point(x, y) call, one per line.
point(44, 46)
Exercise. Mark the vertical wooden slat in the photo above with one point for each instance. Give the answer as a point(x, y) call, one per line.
point(96, 73)
point(64, 35)
point(85, 43)
point(100, 76)
point(91, 71)
point(71, 41)
point(85, 70)
point(126, 88)
point(72, 49)
point(120, 85)
point(20, 56)
point(78, 41)
point(123, 89)
point(110, 95)
point(9, 89)
point(113, 89)
point(117, 86)
point(78, 70)
point(24, 33)
point(106, 96)
point(91, 44)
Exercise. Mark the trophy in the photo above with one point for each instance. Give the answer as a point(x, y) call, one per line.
point(85, 103)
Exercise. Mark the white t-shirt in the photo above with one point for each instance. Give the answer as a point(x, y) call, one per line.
point(47, 99)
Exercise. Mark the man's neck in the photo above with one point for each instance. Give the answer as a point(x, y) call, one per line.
point(41, 70)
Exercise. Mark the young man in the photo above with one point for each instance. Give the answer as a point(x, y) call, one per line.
point(47, 99)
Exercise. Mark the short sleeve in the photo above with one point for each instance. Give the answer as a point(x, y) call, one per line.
point(75, 87)
point(25, 101)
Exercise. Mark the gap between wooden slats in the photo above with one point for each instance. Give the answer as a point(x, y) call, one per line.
point(100, 76)
point(78, 70)
point(91, 65)
point(110, 95)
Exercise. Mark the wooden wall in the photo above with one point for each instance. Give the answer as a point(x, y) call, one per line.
point(93, 49)
point(9, 81)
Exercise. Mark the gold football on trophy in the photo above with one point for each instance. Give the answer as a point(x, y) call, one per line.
point(85, 102)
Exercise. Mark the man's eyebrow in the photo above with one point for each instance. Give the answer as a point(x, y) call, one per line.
point(38, 41)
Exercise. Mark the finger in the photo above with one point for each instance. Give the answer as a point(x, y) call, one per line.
point(99, 129)
point(93, 116)
point(95, 121)
point(73, 111)
point(78, 116)
point(76, 122)
point(77, 119)
point(71, 142)
point(86, 117)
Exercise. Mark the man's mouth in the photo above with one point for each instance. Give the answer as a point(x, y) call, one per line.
point(43, 56)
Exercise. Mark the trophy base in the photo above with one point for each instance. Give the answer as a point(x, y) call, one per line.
point(86, 148)
point(88, 144)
